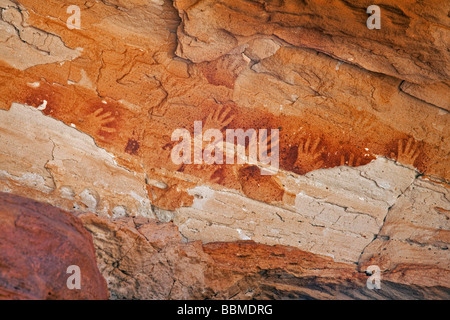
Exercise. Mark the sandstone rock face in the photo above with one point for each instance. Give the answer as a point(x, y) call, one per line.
point(31, 43)
point(145, 259)
point(67, 165)
point(38, 244)
point(315, 211)
point(87, 118)
point(415, 237)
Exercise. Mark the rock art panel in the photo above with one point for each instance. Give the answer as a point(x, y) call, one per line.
point(88, 115)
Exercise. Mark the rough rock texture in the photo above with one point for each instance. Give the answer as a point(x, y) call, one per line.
point(86, 118)
point(23, 45)
point(316, 210)
point(67, 166)
point(415, 237)
point(145, 259)
point(38, 243)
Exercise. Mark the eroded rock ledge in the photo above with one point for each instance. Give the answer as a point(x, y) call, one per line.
point(142, 258)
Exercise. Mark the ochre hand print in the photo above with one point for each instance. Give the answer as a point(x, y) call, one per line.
point(218, 119)
point(101, 120)
point(351, 161)
point(224, 71)
point(363, 123)
point(271, 145)
point(408, 152)
point(308, 156)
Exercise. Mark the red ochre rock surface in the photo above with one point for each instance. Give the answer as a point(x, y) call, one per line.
point(38, 243)
point(313, 72)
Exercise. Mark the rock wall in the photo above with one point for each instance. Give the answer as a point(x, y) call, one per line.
point(88, 112)
point(39, 245)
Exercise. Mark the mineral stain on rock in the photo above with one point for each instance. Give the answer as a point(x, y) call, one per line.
point(260, 187)
point(132, 147)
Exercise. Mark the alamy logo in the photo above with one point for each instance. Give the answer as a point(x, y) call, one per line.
point(74, 21)
point(374, 21)
point(374, 281)
point(74, 281)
